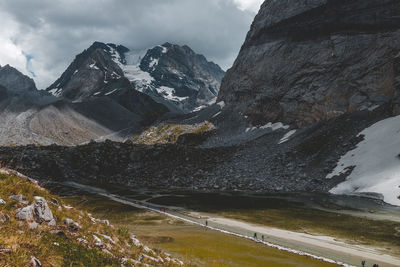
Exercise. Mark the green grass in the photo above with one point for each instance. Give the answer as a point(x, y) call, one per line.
point(59, 249)
point(290, 215)
point(195, 245)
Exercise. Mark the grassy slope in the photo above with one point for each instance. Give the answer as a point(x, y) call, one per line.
point(59, 249)
point(169, 133)
point(196, 245)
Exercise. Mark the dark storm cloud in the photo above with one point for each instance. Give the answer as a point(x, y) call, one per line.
point(54, 31)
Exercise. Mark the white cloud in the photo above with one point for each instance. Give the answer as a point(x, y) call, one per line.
point(53, 32)
point(10, 53)
point(249, 5)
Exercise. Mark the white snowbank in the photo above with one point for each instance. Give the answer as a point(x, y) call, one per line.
point(269, 125)
point(275, 126)
point(93, 66)
point(56, 92)
point(154, 62)
point(287, 136)
point(169, 93)
point(221, 104)
point(376, 161)
point(113, 91)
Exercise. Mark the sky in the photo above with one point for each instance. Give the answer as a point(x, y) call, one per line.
point(41, 38)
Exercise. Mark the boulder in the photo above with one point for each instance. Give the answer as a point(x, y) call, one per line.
point(2, 202)
point(25, 214)
point(35, 262)
point(97, 242)
point(72, 225)
point(42, 211)
point(38, 212)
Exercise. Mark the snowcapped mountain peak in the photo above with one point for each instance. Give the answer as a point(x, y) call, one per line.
point(172, 75)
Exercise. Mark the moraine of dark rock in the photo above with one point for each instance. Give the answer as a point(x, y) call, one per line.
point(310, 60)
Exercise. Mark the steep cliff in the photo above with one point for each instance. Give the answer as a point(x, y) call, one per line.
point(309, 60)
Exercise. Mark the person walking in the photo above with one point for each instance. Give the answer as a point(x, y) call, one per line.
point(262, 237)
point(255, 235)
point(363, 263)
point(206, 223)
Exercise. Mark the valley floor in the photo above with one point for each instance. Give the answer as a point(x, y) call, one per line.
point(320, 247)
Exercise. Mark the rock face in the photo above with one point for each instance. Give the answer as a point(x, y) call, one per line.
point(181, 78)
point(308, 60)
point(14, 81)
point(96, 74)
point(38, 212)
point(172, 75)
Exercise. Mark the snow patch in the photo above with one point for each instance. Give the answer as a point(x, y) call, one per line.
point(93, 66)
point(169, 93)
point(221, 104)
point(216, 115)
point(164, 49)
point(199, 108)
point(275, 126)
point(376, 163)
point(153, 63)
point(113, 91)
point(270, 125)
point(287, 136)
point(56, 92)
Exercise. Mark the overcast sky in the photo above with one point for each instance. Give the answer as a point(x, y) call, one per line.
point(41, 37)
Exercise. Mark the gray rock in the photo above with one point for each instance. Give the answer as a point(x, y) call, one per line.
point(310, 60)
point(33, 225)
point(72, 225)
point(14, 81)
point(97, 242)
point(35, 262)
point(19, 198)
point(38, 212)
point(42, 211)
point(25, 214)
point(2, 202)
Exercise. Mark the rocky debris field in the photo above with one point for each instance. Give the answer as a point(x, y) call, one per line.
point(38, 229)
point(262, 163)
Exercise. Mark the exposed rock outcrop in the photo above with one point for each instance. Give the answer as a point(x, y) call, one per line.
point(308, 60)
point(15, 81)
point(38, 212)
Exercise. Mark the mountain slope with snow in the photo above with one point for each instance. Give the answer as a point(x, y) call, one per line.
point(180, 77)
point(375, 163)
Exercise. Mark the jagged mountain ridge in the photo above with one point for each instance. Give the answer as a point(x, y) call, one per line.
point(31, 116)
point(181, 76)
point(172, 75)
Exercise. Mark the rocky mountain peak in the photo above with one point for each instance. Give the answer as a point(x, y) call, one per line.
point(14, 81)
point(89, 74)
point(180, 78)
point(311, 60)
